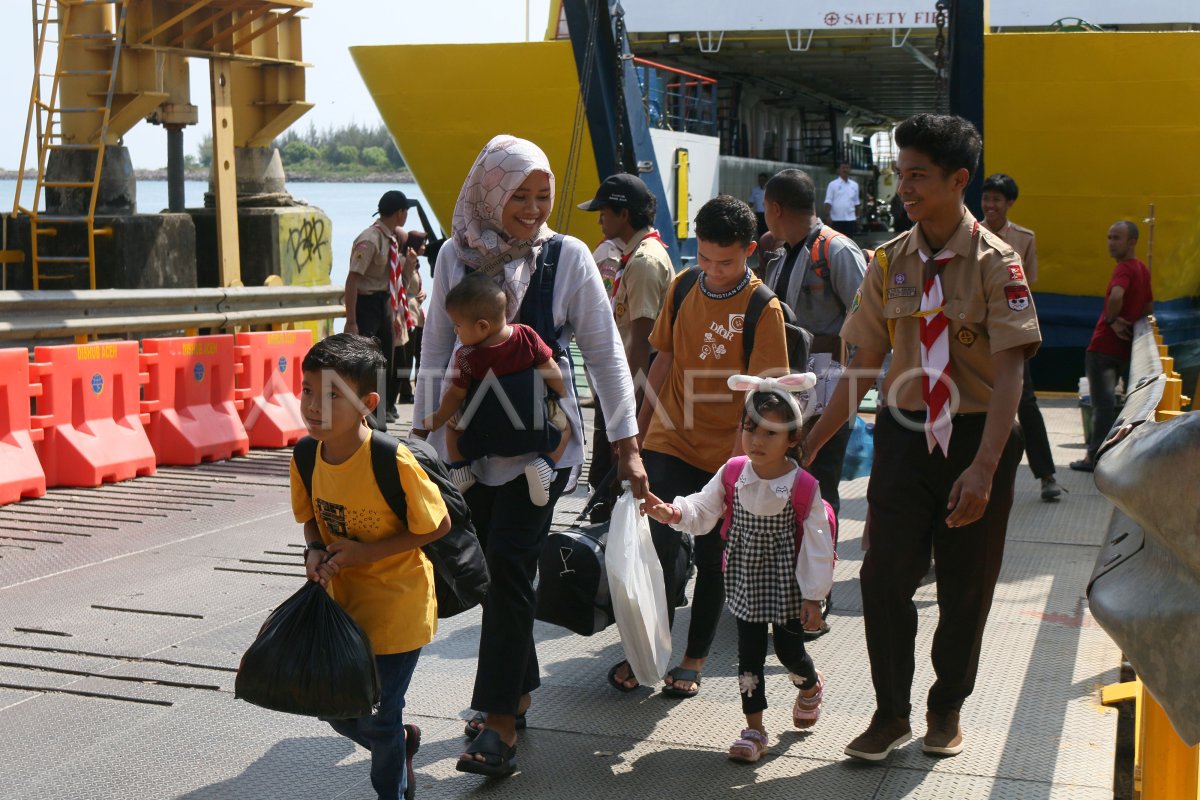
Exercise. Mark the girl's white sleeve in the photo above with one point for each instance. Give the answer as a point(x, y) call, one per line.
point(702, 510)
point(814, 567)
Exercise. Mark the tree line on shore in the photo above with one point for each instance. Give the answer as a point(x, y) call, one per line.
point(346, 151)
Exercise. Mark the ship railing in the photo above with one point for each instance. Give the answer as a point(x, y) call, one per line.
point(1144, 587)
point(40, 316)
point(676, 99)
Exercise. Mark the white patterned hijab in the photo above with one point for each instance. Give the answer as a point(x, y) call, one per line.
point(478, 230)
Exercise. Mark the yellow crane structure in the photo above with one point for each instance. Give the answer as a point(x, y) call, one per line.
point(101, 66)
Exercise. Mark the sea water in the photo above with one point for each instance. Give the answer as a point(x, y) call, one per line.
point(349, 207)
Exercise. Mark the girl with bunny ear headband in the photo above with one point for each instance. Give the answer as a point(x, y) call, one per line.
point(779, 550)
point(784, 387)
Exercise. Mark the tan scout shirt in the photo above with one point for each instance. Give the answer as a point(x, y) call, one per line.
point(988, 306)
point(644, 281)
point(369, 258)
point(1021, 240)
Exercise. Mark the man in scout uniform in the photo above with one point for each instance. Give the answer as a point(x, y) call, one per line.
point(949, 301)
point(999, 194)
point(644, 272)
point(818, 290)
point(376, 302)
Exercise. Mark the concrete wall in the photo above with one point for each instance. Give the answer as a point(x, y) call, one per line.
point(291, 242)
point(146, 251)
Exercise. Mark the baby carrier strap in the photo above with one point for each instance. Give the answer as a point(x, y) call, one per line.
point(537, 307)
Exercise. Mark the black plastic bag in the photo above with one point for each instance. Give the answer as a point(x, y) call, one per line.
point(310, 658)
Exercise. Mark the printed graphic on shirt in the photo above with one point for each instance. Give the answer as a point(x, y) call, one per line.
point(339, 519)
point(1018, 297)
point(1015, 273)
point(712, 346)
point(736, 323)
point(334, 517)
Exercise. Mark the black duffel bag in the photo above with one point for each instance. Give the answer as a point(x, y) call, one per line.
point(572, 589)
point(310, 658)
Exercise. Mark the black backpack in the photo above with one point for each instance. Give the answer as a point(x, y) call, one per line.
point(490, 427)
point(799, 340)
point(460, 573)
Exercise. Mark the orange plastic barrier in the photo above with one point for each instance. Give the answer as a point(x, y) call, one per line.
point(89, 409)
point(21, 473)
point(270, 385)
point(190, 399)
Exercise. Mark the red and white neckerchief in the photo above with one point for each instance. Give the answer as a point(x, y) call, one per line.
point(398, 296)
point(653, 234)
point(935, 357)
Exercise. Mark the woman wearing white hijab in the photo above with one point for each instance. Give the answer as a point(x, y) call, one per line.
point(499, 228)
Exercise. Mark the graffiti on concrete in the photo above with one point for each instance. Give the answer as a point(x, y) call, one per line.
point(307, 242)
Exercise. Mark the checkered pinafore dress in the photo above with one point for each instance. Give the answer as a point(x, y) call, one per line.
point(760, 566)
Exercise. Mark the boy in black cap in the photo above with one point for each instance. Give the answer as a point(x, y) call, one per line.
point(376, 304)
point(627, 208)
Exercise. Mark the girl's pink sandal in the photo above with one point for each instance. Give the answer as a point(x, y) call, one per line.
point(807, 710)
point(749, 747)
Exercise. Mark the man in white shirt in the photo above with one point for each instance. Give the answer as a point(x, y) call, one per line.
point(842, 203)
point(757, 195)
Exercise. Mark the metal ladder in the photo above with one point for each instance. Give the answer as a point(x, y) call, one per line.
point(44, 126)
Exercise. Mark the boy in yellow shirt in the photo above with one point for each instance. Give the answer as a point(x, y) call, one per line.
point(369, 560)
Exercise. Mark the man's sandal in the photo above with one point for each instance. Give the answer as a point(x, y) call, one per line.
point(807, 710)
point(749, 747)
point(677, 674)
point(619, 685)
point(499, 759)
point(476, 724)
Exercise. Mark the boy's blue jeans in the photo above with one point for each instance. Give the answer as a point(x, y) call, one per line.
point(383, 732)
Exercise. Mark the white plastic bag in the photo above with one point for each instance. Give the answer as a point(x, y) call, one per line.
point(639, 597)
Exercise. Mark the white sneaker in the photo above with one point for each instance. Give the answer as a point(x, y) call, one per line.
point(462, 477)
point(540, 475)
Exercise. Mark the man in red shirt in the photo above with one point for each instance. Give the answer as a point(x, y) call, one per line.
point(1127, 299)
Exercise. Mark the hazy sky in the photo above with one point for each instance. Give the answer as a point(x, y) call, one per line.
point(334, 85)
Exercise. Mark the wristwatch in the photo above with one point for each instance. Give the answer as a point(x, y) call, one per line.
point(310, 546)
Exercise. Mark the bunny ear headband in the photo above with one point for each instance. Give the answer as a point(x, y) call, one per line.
point(783, 386)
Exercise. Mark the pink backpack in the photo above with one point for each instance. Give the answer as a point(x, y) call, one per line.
point(802, 492)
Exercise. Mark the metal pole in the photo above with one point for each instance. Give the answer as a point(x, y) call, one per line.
point(175, 195)
point(966, 79)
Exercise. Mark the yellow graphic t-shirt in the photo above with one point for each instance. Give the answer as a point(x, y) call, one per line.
point(392, 599)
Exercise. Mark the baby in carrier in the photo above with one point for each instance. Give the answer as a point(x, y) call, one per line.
point(512, 367)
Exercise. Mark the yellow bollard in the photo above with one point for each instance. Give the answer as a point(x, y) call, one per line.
point(1116, 693)
point(1169, 769)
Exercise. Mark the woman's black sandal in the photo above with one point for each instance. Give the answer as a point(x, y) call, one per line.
point(619, 685)
point(499, 758)
point(678, 674)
